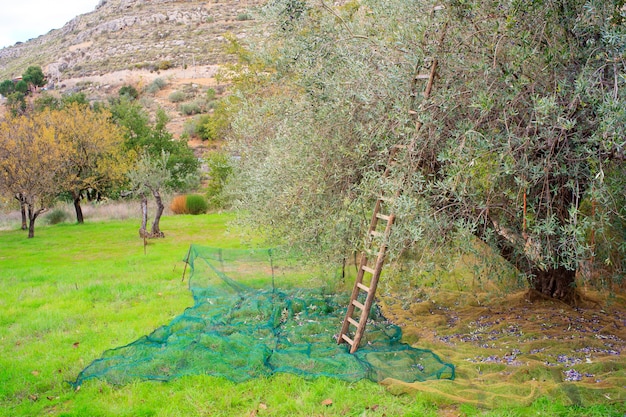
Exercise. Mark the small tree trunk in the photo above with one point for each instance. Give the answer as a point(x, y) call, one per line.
point(144, 216)
point(20, 198)
point(32, 216)
point(556, 283)
point(79, 210)
point(23, 207)
point(156, 231)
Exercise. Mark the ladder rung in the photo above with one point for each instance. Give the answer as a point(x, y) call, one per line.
point(422, 76)
point(375, 233)
point(364, 287)
point(386, 199)
point(347, 339)
point(383, 217)
point(371, 252)
point(399, 146)
point(357, 304)
point(353, 322)
point(368, 269)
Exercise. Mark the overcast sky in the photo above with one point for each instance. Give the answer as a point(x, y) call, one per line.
point(21, 20)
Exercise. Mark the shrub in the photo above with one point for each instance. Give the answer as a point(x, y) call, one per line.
point(129, 91)
point(211, 94)
point(57, 216)
point(219, 170)
point(177, 97)
point(189, 109)
point(164, 65)
point(179, 204)
point(189, 204)
point(156, 86)
point(193, 127)
point(196, 204)
point(244, 16)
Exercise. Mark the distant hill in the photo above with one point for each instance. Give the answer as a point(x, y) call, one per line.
point(134, 42)
point(133, 34)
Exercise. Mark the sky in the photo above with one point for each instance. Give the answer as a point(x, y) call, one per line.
point(21, 20)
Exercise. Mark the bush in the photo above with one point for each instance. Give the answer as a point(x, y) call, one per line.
point(156, 86)
point(179, 204)
point(219, 170)
point(189, 109)
point(164, 65)
point(129, 91)
point(177, 97)
point(189, 204)
point(57, 216)
point(196, 204)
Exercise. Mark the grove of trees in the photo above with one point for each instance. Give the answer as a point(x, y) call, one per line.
point(519, 145)
point(65, 147)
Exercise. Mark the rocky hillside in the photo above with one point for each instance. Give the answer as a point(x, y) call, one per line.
point(134, 34)
point(135, 42)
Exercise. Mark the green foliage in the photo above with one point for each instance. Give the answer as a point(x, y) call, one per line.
point(216, 125)
point(528, 101)
point(155, 86)
point(78, 98)
point(196, 204)
point(46, 101)
point(57, 216)
point(21, 87)
point(177, 96)
point(165, 65)
point(34, 76)
point(211, 94)
point(16, 103)
point(189, 109)
point(144, 136)
point(7, 87)
point(220, 168)
point(129, 91)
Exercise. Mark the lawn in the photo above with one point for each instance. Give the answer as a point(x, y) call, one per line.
point(75, 291)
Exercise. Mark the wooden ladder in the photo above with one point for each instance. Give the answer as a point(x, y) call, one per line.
point(377, 239)
point(376, 247)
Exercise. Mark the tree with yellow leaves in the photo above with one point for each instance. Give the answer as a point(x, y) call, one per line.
point(32, 160)
point(94, 158)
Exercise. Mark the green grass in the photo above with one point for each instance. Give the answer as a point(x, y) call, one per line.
point(75, 291)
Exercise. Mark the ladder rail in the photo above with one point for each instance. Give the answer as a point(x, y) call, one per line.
point(370, 290)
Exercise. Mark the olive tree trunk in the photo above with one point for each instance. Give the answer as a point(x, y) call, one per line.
point(144, 216)
point(156, 231)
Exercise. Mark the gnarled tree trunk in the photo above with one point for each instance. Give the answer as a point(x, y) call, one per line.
point(156, 231)
point(555, 283)
point(144, 216)
point(32, 216)
point(19, 197)
point(79, 210)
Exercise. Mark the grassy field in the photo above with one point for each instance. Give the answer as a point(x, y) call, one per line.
point(75, 291)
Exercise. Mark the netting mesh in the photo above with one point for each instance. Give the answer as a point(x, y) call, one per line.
point(249, 320)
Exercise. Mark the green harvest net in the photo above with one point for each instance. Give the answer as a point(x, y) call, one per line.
point(249, 320)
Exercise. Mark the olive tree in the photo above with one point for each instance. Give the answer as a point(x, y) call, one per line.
point(150, 176)
point(523, 126)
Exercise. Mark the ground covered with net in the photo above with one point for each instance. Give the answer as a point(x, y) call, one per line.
point(257, 313)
